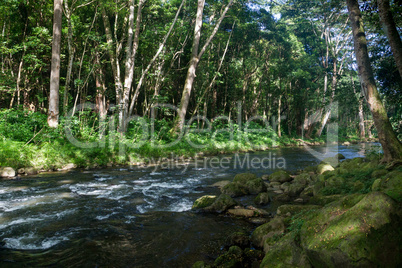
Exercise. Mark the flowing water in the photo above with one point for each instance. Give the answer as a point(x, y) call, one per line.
point(129, 217)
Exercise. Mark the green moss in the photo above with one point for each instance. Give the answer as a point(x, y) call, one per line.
point(262, 199)
point(235, 189)
point(280, 176)
point(221, 204)
point(244, 177)
point(256, 186)
point(344, 231)
point(204, 201)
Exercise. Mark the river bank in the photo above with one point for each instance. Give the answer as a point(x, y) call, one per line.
point(19, 160)
point(347, 213)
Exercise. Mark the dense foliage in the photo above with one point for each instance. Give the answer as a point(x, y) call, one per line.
point(288, 59)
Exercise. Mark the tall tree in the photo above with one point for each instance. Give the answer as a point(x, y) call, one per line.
point(392, 33)
point(53, 115)
point(195, 58)
point(392, 147)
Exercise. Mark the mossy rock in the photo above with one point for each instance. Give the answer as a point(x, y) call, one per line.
point(303, 179)
point(334, 181)
point(262, 199)
point(355, 231)
point(376, 185)
point(311, 169)
point(340, 171)
point(323, 200)
point(295, 189)
point(280, 176)
point(307, 192)
point(379, 173)
point(244, 177)
point(340, 156)
point(221, 204)
point(317, 187)
point(232, 258)
point(239, 239)
point(391, 185)
point(294, 209)
point(256, 186)
point(204, 201)
point(285, 253)
point(273, 228)
point(235, 189)
point(351, 164)
point(324, 167)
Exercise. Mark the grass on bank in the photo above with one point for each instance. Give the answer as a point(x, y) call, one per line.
point(27, 141)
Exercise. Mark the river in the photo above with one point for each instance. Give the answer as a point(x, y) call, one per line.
point(131, 216)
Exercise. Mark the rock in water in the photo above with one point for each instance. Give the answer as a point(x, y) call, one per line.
point(204, 201)
point(280, 176)
point(244, 177)
point(7, 172)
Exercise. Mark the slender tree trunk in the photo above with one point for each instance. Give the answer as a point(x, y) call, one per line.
point(195, 58)
point(279, 116)
point(132, 48)
point(53, 115)
point(389, 27)
point(361, 119)
point(145, 72)
point(114, 61)
point(392, 147)
point(70, 57)
point(188, 84)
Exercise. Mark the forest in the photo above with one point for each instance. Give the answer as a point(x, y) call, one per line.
point(279, 66)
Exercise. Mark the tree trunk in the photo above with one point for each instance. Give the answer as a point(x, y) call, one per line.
point(114, 60)
point(279, 116)
point(53, 116)
point(70, 57)
point(392, 147)
point(361, 119)
point(195, 58)
point(188, 84)
point(389, 27)
point(145, 72)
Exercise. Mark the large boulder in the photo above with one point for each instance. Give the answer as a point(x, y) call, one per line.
point(280, 176)
point(285, 253)
point(7, 172)
point(289, 210)
point(204, 201)
point(274, 228)
point(295, 189)
point(391, 185)
point(221, 204)
point(235, 189)
point(244, 177)
point(256, 186)
point(355, 231)
point(302, 179)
